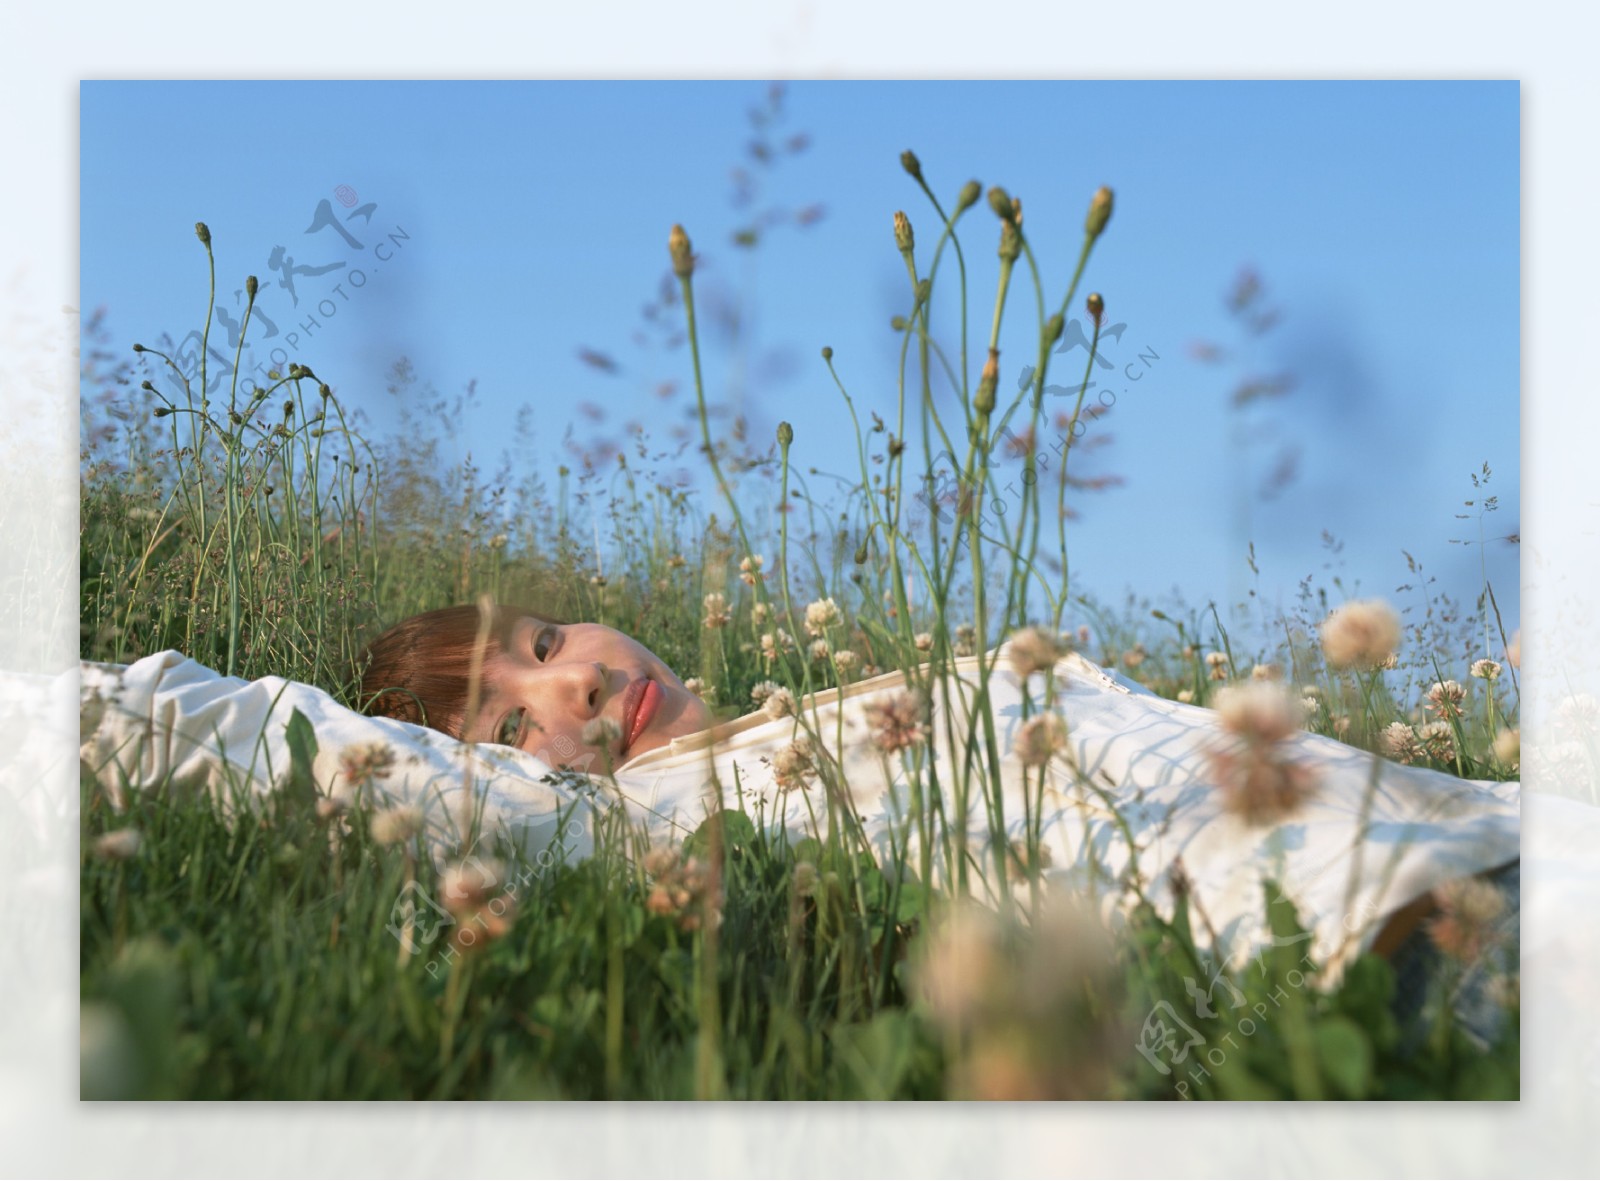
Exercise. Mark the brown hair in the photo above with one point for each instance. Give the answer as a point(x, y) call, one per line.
point(419, 671)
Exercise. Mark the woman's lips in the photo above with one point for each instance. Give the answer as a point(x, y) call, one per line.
point(644, 696)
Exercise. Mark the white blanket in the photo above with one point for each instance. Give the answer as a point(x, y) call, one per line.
point(167, 715)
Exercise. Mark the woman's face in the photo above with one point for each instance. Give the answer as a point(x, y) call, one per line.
point(552, 680)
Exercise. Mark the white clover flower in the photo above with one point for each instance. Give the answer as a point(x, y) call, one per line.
point(1259, 785)
point(365, 762)
point(1439, 741)
point(396, 826)
point(1485, 670)
point(1464, 927)
point(1186, 695)
point(1445, 698)
point(1033, 650)
point(1401, 742)
point(959, 968)
point(821, 615)
point(761, 690)
point(1040, 739)
point(966, 640)
point(1508, 746)
point(716, 610)
point(1217, 666)
point(465, 885)
point(897, 721)
point(330, 807)
point(1261, 711)
point(1577, 716)
point(923, 641)
point(793, 766)
point(121, 844)
point(1362, 633)
point(779, 704)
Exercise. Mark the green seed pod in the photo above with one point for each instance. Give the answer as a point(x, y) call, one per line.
point(924, 289)
point(162, 411)
point(1099, 212)
point(203, 233)
point(681, 252)
point(785, 434)
point(1096, 305)
point(1010, 241)
point(288, 409)
point(324, 390)
point(861, 554)
point(827, 352)
point(251, 286)
point(1001, 204)
point(145, 385)
point(970, 192)
point(138, 348)
point(1053, 329)
point(898, 323)
point(909, 161)
point(983, 401)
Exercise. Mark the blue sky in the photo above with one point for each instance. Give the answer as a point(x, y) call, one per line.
point(527, 221)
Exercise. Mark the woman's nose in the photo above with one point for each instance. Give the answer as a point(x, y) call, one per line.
point(584, 684)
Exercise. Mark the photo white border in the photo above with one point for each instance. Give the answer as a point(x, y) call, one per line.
point(45, 1131)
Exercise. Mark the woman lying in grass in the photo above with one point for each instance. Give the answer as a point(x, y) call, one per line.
point(568, 690)
point(1115, 791)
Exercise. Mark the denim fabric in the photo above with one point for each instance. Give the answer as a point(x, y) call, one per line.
point(1424, 975)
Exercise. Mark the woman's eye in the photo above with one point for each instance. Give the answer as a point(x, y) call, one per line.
point(509, 732)
point(544, 643)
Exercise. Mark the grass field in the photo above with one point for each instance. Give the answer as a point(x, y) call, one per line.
point(261, 532)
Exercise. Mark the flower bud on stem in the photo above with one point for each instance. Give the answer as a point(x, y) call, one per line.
point(1099, 212)
point(903, 237)
point(682, 255)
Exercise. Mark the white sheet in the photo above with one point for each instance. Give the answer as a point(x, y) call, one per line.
point(167, 714)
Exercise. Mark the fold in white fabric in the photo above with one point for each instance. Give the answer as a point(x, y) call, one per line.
point(1147, 758)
